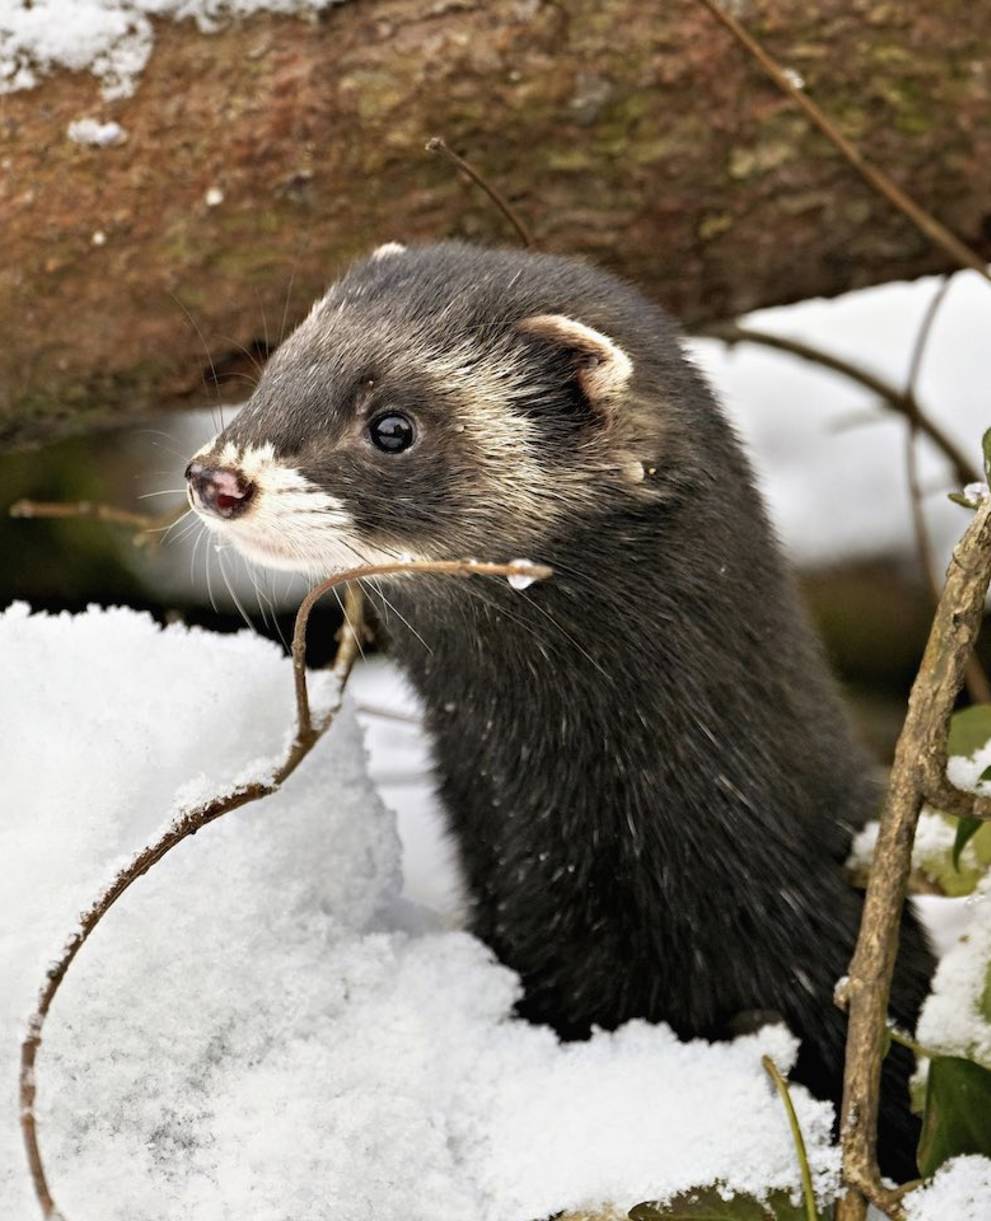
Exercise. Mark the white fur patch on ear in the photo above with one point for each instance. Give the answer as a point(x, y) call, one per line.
point(604, 367)
point(388, 250)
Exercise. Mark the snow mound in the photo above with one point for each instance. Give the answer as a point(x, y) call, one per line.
point(959, 1191)
point(954, 1018)
point(112, 39)
point(257, 1029)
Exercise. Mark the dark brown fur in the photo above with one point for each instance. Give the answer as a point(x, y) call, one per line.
point(647, 771)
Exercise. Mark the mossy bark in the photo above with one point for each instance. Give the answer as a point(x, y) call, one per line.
point(637, 134)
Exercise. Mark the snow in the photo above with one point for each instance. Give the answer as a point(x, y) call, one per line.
point(934, 839)
point(112, 39)
point(829, 458)
point(960, 1191)
point(976, 492)
point(520, 580)
point(954, 1018)
point(92, 131)
point(264, 1025)
point(399, 760)
point(966, 771)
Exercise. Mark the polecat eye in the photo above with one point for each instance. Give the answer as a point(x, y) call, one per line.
point(392, 432)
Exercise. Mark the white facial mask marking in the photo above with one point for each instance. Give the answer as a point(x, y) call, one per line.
point(291, 524)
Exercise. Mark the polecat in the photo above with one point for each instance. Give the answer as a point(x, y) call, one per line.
point(644, 763)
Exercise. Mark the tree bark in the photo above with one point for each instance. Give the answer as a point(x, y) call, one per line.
point(638, 134)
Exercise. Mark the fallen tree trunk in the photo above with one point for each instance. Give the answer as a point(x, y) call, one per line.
point(259, 159)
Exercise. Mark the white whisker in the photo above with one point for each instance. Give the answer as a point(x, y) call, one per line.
point(230, 589)
point(355, 631)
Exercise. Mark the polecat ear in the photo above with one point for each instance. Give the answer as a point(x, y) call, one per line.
point(603, 367)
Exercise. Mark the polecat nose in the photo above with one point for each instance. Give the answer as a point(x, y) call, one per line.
point(222, 493)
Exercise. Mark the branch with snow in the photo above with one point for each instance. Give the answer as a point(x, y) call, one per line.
point(918, 775)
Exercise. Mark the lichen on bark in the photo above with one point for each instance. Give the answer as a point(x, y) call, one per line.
point(641, 137)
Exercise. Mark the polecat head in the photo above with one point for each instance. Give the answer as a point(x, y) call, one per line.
point(439, 402)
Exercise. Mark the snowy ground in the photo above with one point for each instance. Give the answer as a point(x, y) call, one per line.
point(271, 1025)
point(399, 764)
point(274, 1023)
point(264, 1027)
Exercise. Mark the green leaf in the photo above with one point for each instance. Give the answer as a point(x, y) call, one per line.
point(970, 730)
point(957, 1117)
point(967, 828)
point(959, 498)
point(708, 1205)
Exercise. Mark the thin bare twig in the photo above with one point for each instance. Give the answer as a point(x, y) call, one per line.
point(905, 403)
point(978, 687)
point(188, 823)
point(923, 541)
point(146, 525)
point(964, 471)
point(918, 775)
point(436, 145)
point(380, 712)
point(538, 572)
point(924, 221)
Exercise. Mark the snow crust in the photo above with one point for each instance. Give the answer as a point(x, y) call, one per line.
point(966, 770)
point(952, 1019)
point(261, 1027)
point(112, 39)
point(92, 131)
point(959, 1191)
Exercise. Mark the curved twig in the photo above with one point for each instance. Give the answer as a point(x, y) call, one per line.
point(897, 400)
point(924, 221)
point(307, 735)
point(978, 686)
point(518, 568)
point(437, 145)
point(923, 542)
